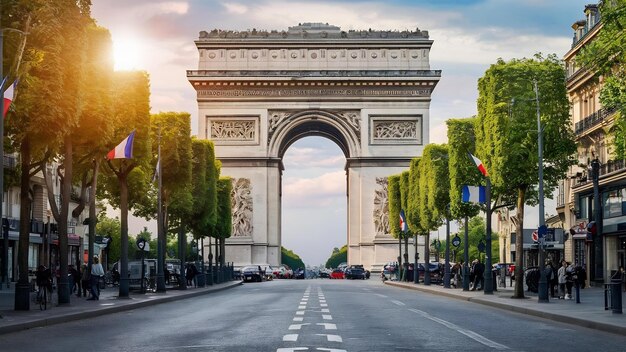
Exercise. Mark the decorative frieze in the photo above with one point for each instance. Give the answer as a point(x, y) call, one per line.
point(241, 202)
point(233, 129)
point(223, 92)
point(380, 214)
point(396, 129)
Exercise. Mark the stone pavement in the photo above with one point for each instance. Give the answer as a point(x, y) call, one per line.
point(80, 308)
point(588, 313)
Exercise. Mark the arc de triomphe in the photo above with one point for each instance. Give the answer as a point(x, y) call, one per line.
point(258, 92)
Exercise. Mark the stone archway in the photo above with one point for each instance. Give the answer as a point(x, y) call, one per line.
point(259, 92)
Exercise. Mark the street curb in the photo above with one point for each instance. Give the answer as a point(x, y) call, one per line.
point(545, 315)
point(64, 318)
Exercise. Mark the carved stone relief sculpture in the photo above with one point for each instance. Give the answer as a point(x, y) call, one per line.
point(381, 207)
point(241, 199)
point(395, 130)
point(237, 130)
point(352, 118)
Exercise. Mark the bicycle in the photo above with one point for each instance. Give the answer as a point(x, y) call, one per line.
point(42, 297)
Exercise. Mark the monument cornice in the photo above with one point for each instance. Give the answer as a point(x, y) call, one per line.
point(321, 74)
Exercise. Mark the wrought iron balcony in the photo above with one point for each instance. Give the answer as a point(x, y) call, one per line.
point(610, 167)
point(592, 120)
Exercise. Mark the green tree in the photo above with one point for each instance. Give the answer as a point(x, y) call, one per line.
point(337, 257)
point(462, 171)
point(111, 227)
point(290, 258)
point(605, 56)
point(507, 145)
point(224, 226)
point(126, 180)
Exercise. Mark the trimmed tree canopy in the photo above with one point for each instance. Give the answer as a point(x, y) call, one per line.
point(461, 141)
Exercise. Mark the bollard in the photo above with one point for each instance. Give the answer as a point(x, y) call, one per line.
point(616, 297)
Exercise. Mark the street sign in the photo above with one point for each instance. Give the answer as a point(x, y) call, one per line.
point(481, 247)
point(535, 236)
point(543, 229)
point(456, 241)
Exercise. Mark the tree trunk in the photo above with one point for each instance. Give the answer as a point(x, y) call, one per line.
point(92, 212)
point(22, 289)
point(427, 260)
point(519, 244)
point(123, 267)
point(66, 189)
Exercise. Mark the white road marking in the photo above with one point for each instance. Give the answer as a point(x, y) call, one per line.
point(298, 319)
point(332, 338)
point(381, 295)
point(398, 303)
point(301, 307)
point(326, 305)
point(328, 326)
point(300, 312)
point(330, 349)
point(290, 337)
point(472, 335)
point(292, 349)
point(322, 301)
point(297, 326)
point(327, 317)
point(324, 310)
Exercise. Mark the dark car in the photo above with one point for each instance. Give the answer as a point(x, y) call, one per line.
point(252, 273)
point(299, 274)
point(324, 274)
point(355, 273)
point(436, 272)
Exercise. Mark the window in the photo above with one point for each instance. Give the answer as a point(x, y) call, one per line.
point(33, 256)
point(614, 203)
point(584, 207)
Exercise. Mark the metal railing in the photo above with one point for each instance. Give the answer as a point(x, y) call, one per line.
point(592, 120)
point(609, 167)
point(585, 32)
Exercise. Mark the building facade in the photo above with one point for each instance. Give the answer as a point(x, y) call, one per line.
point(603, 252)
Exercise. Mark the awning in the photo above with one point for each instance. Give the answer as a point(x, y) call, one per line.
point(15, 236)
point(72, 239)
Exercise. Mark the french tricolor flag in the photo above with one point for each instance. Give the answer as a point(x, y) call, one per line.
point(123, 150)
point(403, 225)
point(8, 96)
point(479, 164)
point(473, 194)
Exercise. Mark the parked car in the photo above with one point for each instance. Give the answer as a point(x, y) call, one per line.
point(284, 272)
point(299, 274)
point(337, 274)
point(252, 273)
point(436, 272)
point(268, 271)
point(355, 272)
point(324, 274)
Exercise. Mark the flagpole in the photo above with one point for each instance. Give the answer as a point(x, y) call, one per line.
point(488, 273)
point(5, 234)
point(160, 233)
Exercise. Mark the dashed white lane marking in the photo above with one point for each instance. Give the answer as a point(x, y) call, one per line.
point(298, 319)
point(381, 295)
point(300, 312)
point(323, 305)
point(328, 326)
point(332, 338)
point(472, 335)
point(322, 301)
point(290, 337)
point(327, 317)
point(330, 349)
point(292, 349)
point(325, 310)
point(297, 326)
point(398, 303)
point(301, 307)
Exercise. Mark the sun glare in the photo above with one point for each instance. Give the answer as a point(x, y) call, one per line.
point(126, 53)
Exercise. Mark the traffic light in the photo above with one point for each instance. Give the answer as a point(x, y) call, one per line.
point(592, 231)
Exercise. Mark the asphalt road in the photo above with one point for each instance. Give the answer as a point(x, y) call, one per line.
point(314, 315)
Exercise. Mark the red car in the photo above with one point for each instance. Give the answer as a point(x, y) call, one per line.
point(337, 274)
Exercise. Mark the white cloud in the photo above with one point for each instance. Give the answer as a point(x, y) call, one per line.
point(323, 190)
point(312, 157)
point(237, 9)
point(164, 8)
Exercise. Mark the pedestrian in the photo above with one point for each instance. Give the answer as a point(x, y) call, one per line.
point(561, 279)
point(551, 277)
point(623, 274)
point(479, 279)
point(472, 275)
point(96, 273)
point(70, 277)
point(190, 273)
point(569, 280)
point(75, 283)
point(84, 279)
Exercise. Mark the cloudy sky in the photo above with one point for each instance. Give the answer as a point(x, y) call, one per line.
point(468, 35)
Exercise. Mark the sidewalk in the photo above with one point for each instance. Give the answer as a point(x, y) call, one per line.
point(80, 308)
point(589, 313)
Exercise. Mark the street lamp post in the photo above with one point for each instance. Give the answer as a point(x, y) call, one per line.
point(446, 269)
point(543, 282)
point(466, 257)
point(488, 273)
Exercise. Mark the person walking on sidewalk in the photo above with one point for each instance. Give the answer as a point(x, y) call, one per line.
point(551, 276)
point(84, 280)
point(562, 280)
point(96, 273)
